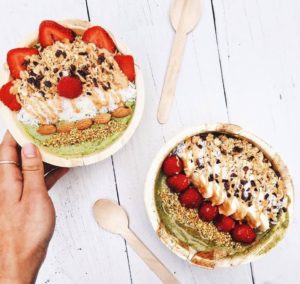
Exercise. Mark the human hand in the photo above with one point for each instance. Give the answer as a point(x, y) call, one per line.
point(27, 215)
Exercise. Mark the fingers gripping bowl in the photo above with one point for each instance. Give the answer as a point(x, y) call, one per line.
point(218, 196)
point(73, 90)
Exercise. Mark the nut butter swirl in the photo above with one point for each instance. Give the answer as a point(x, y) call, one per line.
point(235, 175)
point(96, 68)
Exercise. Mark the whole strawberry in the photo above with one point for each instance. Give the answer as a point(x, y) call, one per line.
point(243, 233)
point(172, 165)
point(178, 182)
point(224, 223)
point(69, 87)
point(190, 198)
point(208, 212)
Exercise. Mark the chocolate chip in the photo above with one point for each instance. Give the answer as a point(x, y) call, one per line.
point(237, 149)
point(30, 80)
point(37, 84)
point(228, 194)
point(31, 73)
point(64, 54)
point(246, 169)
point(243, 181)
point(251, 158)
point(106, 86)
point(266, 196)
point(26, 62)
point(218, 161)
point(83, 53)
point(60, 74)
point(95, 82)
point(89, 93)
point(46, 69)
point(55, 70)
point(203, 136)
point(43, 94)
point(253, 183)
point(35, 63)
point(73, 67)
point(101, 58)
point(48, 84)
point(226, 185)
point(233, 175)
point(111, 66)
point(58, 53)
point(211, 177)
point(82, 73)
point(284, 209)
point(236, 194)
point(40, 77)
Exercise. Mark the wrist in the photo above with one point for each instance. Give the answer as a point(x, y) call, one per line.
point(19, 269)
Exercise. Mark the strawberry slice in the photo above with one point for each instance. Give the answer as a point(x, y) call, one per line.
point(69, 87)
point(50, 32)
point(243, 233)
point(178, 182)
point(191, 198)
point(207, 212)
point(100, 38)
point(126, 64)
point(16, 60)
point(172, 165)
point(8, 98)
point(224, 223)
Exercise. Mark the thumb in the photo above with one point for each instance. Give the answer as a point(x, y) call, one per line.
point(33, 169)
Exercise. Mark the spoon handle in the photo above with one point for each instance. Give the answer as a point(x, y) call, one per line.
point(154, 264)
point(169, 88)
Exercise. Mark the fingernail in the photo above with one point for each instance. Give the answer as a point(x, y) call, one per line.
point(29, 150)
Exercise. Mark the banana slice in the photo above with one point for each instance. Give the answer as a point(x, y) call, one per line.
point(229, 207)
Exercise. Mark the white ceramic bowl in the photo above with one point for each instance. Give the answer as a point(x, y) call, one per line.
point(21, 137)
point(207, 259)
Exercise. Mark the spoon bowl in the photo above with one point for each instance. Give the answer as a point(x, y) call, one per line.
point(190, 10)
point(110, 216)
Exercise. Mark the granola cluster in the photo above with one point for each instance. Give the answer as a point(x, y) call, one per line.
point(95, 67)
point(240, 169)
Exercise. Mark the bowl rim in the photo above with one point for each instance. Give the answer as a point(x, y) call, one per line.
point(171, 242)
point(13, 125)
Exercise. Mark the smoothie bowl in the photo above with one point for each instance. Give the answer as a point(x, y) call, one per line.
point(218, 196)
point(74, 90)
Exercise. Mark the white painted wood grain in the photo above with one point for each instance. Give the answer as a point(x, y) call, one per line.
point(260, 56)
point(259, 44)
point(79, 252)
point(199, 98)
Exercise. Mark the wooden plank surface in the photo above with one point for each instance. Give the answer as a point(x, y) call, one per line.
point(247, 50)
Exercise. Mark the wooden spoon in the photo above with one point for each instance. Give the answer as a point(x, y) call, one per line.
point(185, 15)
point(113, 218)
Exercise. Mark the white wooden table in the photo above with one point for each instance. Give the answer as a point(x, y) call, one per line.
point(242, 65)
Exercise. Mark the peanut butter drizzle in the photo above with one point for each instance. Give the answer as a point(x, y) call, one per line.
point(45, 108)
point(96, 100)
point(74, 106)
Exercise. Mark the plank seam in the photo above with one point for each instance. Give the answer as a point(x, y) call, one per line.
point(87, 10)
point(118, 197)
point(219, 58)
point(252, 273)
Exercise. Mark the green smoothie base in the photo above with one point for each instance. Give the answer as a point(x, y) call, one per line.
point(190, 235)
point(78, 149)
